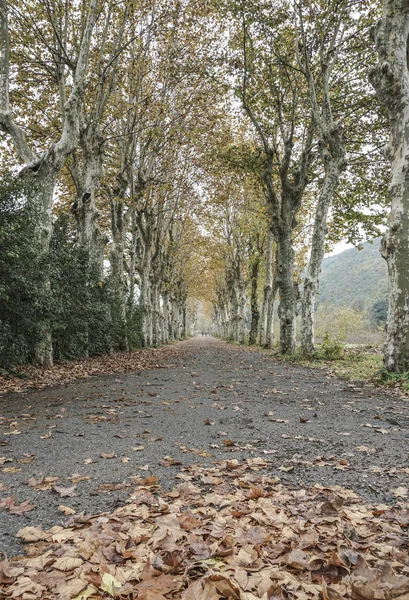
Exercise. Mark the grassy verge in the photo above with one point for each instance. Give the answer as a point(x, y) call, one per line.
point(362, 363)
point(359, 363)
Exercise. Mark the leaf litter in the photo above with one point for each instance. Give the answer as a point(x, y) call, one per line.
point(226, 532)
point(31, 376)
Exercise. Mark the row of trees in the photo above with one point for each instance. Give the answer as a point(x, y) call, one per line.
point(158, 151)
point(100, 102)
point(313, 147)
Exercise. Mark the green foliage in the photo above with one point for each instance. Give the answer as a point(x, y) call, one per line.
point(331, 349)
point(135, 328)
point(338, 322)
point(22, 293)
point(379, 311)
point(62, 288)
point(243, 159)
point(392, 379)
point(74, 302)
point(81, 321)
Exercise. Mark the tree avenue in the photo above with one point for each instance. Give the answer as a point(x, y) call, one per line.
point(175, 166)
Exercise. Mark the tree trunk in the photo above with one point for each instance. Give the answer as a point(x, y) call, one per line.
point(119, 227)
point(270, 316)
point(333, 170)
point(166, 325)
point(287, 308)
point(41, 187)
point(234, 316)
point(132, 271)
point(242, 332)
point(175, 320)
point(390, 78)
point(156, 314)
point(118, 292)
point(268, 286)
point(145, 299)
point(84, 208)
point(255, 313)
point(183, 312)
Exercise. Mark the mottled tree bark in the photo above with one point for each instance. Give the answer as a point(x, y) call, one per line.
point(87, 178)
point(287, 309)
point(390, 78)
point(266, 328)
point(255, 313)
point(332, 152)
point(334, 165)
point(119, 227)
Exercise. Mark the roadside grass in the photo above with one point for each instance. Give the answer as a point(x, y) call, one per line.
point(357, 362)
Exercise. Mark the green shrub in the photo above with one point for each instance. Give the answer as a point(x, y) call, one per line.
point(61, 288)
point(331, 348)
point(135, 328)
point(390, 378)
point(23, 299)
point(339, 322)
point(80, 310)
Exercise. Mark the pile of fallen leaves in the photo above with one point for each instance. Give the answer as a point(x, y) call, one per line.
point(227, 532)
point(119, 362)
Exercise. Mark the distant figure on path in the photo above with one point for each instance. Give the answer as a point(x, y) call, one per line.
point(202, 334)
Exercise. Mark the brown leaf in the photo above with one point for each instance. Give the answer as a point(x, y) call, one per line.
point(67, 563)
point(21, 508)
point(11, 470)
point(65, 492)
point(76, 478)
point(44, 483)
point(32, 534)
point(67, 510)
point(329, 594)
point(164, 584)
point(168, 461)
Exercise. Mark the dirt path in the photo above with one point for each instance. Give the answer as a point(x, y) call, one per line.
point(216, 401)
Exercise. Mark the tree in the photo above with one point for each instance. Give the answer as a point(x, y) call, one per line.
point(390, 78)
point(327, 38)
point(273, 95)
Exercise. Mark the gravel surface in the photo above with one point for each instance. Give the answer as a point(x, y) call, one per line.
point(216, 402)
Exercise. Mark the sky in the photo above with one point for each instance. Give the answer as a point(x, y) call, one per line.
point(338, 248)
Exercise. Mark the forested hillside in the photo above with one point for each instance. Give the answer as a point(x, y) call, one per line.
point(356, 278)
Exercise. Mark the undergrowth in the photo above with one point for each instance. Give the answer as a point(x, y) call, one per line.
point(362, 363)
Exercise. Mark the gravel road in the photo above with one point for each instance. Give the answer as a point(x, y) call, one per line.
point(216, 401)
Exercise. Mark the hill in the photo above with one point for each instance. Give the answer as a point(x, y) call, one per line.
point(356, 278)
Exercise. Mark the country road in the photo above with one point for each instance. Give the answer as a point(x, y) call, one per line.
point(84, 444)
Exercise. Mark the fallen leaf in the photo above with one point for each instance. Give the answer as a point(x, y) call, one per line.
point(400, 492)
point(105, 455)
point(109, 583)
point(67, 510)
point(11, 470)
point(65, 492)
point(22, 508)
point(67, 563)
